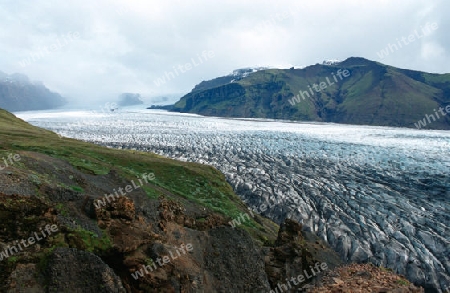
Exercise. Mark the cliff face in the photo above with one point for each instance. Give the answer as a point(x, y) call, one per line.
point(355, 91)
point(18, 93)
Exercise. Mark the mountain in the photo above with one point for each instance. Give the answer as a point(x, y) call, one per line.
point(354, 91)
point(68, 226)
point(130, 99)
point(18, 93)
point(236, 75)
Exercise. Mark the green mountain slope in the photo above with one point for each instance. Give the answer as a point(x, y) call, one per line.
point(369, 93)
point(200, 184)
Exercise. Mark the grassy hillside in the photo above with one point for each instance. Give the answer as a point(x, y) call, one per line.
point(371, 94)
point(191, 183)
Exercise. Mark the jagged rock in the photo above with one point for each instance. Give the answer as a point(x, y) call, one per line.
point(23, 279)
point(72, 270)
point(289, 256)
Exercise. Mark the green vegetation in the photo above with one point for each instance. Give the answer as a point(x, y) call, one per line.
point(89, 241)
point(61, 209)
point(373, 94)
point(89, 166)
point(149, 262)
point(403, 282)
point(194, 183)
point(77, 189)
point(13, 259)
point(386, 269)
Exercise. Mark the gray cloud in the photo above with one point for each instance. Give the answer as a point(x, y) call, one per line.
point(124, 46)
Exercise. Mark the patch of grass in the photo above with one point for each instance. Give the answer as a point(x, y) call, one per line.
point(200, 220)
point(13, 259)
point(90, 241)
point(58, 240)
point(403, 282)
point(62, 209)
point(89, 166)
point(386, 269)
point(149, 262)
point(151, 192)
point(77, 189)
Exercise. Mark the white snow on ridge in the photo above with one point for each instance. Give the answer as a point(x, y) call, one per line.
point(244, 72)
point(331, 62)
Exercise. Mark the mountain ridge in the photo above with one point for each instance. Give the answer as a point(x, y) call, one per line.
point(372, 94)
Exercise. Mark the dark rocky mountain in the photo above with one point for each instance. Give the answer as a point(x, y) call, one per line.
point(18, 93)
point(355, 91)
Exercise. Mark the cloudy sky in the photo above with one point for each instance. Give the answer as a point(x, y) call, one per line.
point(92, 50)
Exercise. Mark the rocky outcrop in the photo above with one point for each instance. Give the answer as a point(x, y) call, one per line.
point(297, 253)
point(364, 278)
point(289, 256)
point(72, 270)
point(100, 248)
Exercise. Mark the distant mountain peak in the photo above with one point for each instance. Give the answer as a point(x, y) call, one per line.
point(18, 93)
point(353, 61)
point(130, 99)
